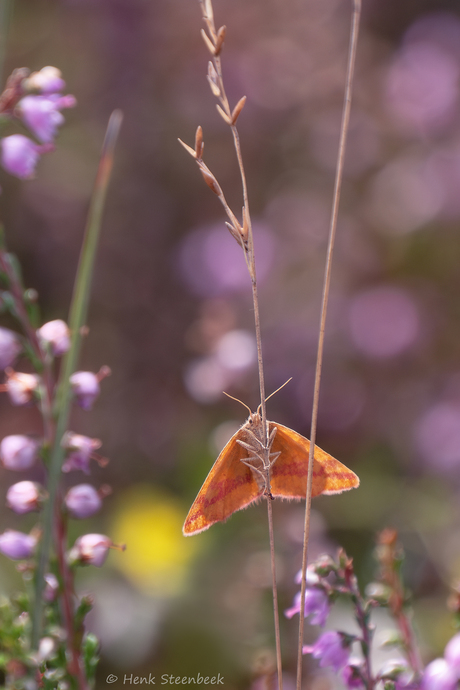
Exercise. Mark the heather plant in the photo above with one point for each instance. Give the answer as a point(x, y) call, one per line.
point(43, 643)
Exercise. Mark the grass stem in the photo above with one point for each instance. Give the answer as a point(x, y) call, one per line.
point(326, 285)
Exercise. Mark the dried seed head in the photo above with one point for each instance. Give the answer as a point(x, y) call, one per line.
point(187, 148)
point(236, 232)
point(245, 228)
point(237, 109)
point(208, 9)
point(208, 43)
point(199, 143)
point(224, 115)
point(220, 40)
point(211, 181)
point(214, 88)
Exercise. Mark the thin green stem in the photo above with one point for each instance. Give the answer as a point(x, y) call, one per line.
point(78, 314)
point(326, 285)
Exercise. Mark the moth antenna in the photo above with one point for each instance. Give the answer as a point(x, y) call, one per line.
point(272, 394)
point(278, 389)
point(242, 403)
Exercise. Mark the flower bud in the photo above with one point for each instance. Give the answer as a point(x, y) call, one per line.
point(19, 155)
point(10, 348)
point(51, 587)
point(438, 675)
point(18, 452)
point(85, 386)
point(47, 80)
point(21, 387)
point(452, 653)
point(82, 501)
point(17, 545)
point(24, 497)
point(55, 335)
point(91, 549)
point(81, 451)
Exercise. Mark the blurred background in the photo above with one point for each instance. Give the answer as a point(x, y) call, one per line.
point(172, 314)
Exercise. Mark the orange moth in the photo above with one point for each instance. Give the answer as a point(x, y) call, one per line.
point(238, 477)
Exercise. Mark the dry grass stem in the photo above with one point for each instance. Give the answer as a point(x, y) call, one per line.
point(326, 285)
point(242, 232)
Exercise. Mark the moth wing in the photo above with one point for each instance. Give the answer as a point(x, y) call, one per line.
point(230, 486)
point(289, 472)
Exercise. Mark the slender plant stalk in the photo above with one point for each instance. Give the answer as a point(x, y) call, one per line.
point(326, 285)
point(243, 234)
point(77, 318)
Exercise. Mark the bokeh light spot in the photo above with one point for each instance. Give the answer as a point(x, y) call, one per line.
point(437, 436)
point(405, 195)
point(212, 262)
point(157, 558)
point(237, 350)
point(384, 321)
point(421, 88)
point(205, 379)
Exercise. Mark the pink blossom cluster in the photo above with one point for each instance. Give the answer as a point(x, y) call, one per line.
point(21, 452)
point(37, 102)
point(334, 649)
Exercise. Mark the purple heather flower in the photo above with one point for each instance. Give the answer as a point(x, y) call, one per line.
point(24, 497)
point(438, 675)
point(20, 386)
point(56, 335)
point(19, 155)
point(51, 587)
point(17, 545)
point(10, 347)
point(41, 114)
point(18, 452)
point(47, 80)
point(81, 450)
point(91, 549)
point(331, 650)
point(85, 386)
point(452, 653)
point(316, 605)
point(82, 501)
point(351, 674)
